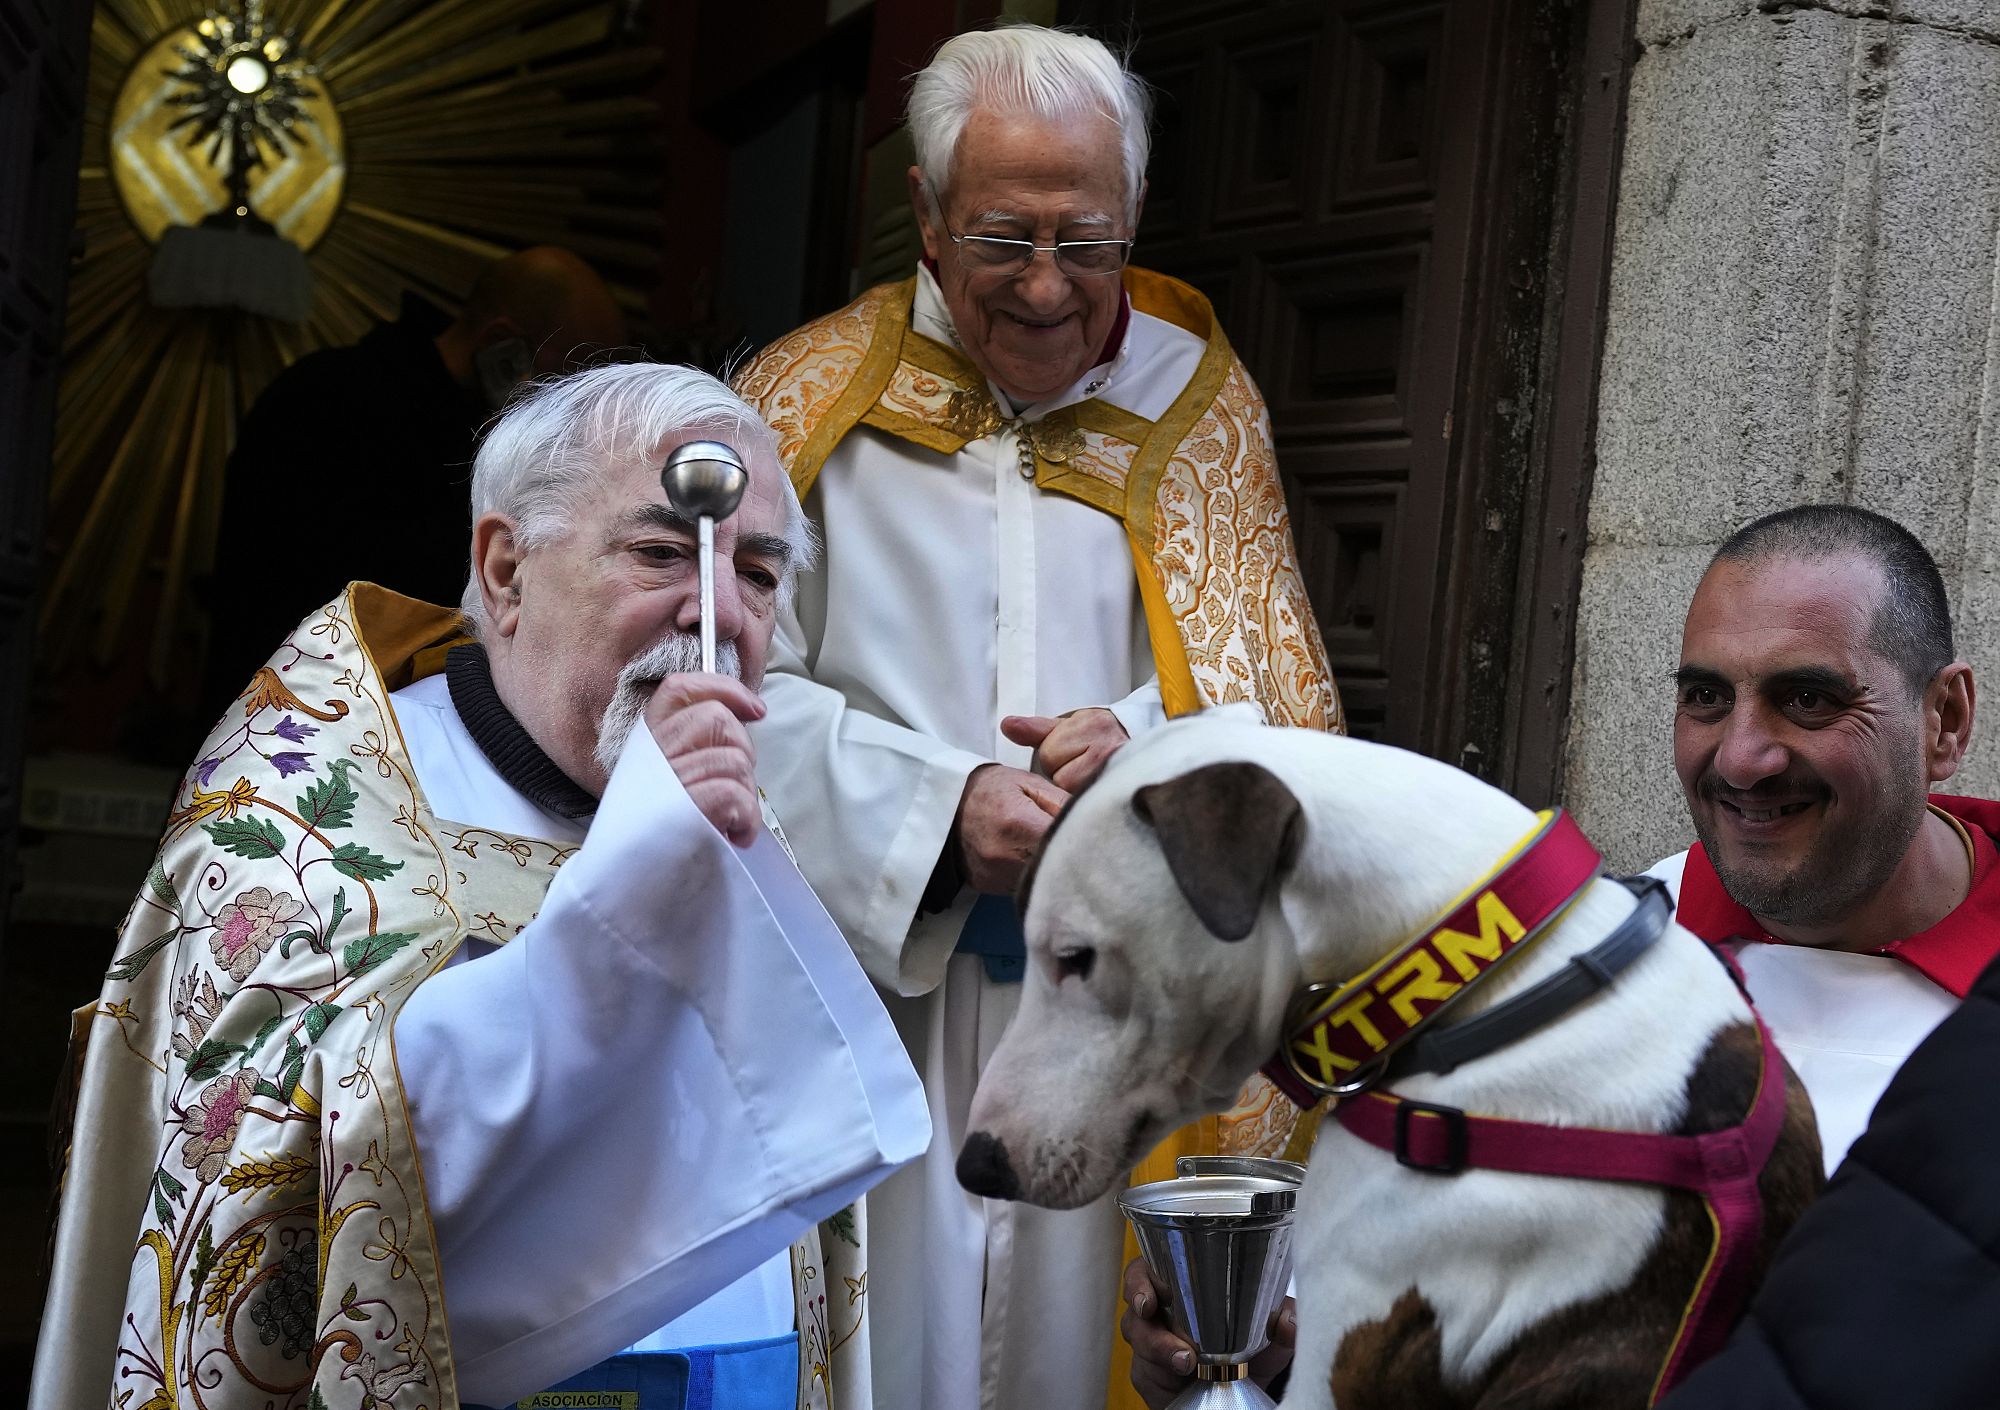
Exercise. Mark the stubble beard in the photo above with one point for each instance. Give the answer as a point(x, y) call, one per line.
point(674, 655)
point(1845, 865)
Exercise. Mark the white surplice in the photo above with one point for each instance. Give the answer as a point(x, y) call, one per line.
point(953, 591)
point(1844, 1022)
point(629, 1112)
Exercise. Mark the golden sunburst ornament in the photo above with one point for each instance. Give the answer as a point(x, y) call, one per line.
point(246, 86)
point(399, 144)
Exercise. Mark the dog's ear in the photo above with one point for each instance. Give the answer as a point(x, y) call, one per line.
point(1230, 831)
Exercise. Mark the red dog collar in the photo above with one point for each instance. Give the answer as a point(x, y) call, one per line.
point(1338, 1039)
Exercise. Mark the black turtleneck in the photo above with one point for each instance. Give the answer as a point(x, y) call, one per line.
point(504, 742)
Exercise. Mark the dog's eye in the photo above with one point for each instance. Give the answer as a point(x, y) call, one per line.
point(1075, 963)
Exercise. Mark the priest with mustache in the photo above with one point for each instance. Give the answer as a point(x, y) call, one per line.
point(472, 977)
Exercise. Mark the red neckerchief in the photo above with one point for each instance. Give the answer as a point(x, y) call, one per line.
point(1951, 954)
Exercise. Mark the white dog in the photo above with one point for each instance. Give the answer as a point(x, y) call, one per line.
point(1181, 902)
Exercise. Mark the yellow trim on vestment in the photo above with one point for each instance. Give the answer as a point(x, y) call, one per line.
point(1177, 693)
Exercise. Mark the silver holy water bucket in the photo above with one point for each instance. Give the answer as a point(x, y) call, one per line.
point(1218, 1241)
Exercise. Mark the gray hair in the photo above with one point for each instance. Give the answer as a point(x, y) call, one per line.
point(1023, 68)
point(558, 436)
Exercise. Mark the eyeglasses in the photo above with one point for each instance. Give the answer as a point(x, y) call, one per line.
point(1079, 259)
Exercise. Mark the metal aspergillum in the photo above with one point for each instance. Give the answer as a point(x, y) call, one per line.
point(705, 480)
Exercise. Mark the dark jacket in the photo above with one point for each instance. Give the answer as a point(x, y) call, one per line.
point(1886, 1294)
point(356, 462)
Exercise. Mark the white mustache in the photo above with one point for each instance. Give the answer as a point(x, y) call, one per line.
point(674, 655)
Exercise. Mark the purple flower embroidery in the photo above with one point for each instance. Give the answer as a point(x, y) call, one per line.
point(289, 728)
point(289, 763)
point(207, 770)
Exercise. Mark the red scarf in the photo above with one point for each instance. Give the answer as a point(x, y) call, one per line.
point(1951, 953)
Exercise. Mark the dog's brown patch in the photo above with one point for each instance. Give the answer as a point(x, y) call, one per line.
point(1606, 1353)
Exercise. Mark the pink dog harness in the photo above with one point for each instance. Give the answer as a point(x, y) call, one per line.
point(1722, 1167)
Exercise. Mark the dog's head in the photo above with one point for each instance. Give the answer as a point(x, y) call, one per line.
point(1171, 915)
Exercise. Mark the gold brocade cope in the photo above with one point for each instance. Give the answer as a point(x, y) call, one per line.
point(1197, 490)
point(1198, 493)
point(937, 399)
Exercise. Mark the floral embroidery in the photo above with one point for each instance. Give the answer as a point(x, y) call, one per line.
point(294, 730)
point(247, 927)
point(211, 1122)
point(265, 941)
point(196, 1002)
point(291, 762)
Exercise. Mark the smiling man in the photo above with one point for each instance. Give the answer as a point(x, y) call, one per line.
point(1819, 699)
point(1052, 518)
point(470, 971)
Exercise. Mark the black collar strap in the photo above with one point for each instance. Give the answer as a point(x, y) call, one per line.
point(1442, 1049)
point(501, 738)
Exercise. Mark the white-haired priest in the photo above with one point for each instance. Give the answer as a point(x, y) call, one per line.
point(1052, 517)
point(473, 1035)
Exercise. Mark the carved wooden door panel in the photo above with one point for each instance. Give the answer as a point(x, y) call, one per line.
point(1322, 172)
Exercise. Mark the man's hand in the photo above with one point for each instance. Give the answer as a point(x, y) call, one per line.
point(1069, 749)
point(697, 720)
point(1162, 1362)
point(1001, 818)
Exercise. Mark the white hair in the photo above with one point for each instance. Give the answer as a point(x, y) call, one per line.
point(1024, 68)
point(558, 437)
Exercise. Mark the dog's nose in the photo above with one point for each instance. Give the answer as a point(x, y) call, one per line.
point(983, 1168)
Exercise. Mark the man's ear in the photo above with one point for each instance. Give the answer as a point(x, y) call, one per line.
point(1948, 708)
point(496, 567)
point(1230, 832)
point(927, 221)
point(1139, 206)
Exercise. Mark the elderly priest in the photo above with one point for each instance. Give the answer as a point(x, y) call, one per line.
point(1052, 517)
point(471, 980)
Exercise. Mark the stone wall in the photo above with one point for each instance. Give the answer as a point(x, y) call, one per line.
point(1803, 307)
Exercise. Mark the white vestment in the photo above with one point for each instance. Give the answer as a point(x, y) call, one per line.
point(1844, 1022)
point(953, 592)
point(647, 1095)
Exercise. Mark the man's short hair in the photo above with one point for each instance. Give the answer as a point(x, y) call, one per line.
point(1052, 74)
point(1913, 620)
point(558, 436)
